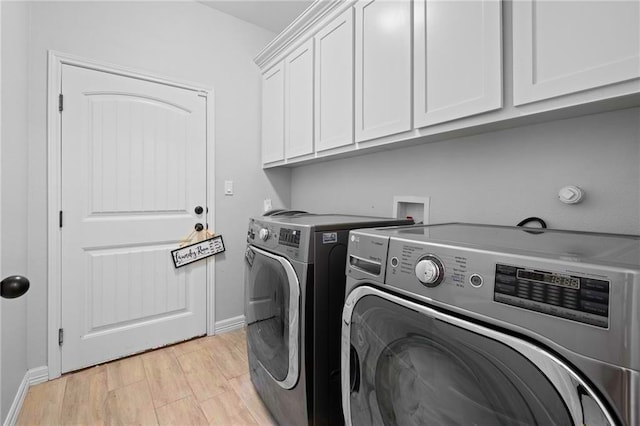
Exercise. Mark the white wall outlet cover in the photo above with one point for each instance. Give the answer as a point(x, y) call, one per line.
point(267, 205)
point(571, 194)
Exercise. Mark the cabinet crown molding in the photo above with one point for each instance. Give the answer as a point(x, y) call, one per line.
point(315, 13)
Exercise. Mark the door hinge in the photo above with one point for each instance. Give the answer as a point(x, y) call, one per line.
point(60, 102)
point(60, 218)
point(60, 336)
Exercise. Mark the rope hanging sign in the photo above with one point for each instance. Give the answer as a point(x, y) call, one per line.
point(206, 245)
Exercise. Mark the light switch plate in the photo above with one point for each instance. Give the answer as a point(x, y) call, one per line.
point(228, 187)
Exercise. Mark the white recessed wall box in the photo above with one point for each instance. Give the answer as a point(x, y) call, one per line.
point(408, 206)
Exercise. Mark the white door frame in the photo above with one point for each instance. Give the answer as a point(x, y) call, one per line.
point(54, 252)
point(1, 419)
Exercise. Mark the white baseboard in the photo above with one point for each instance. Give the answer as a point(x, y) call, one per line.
point(16, 406)
point(31, 377)
point(229, 324)
point(38, 375)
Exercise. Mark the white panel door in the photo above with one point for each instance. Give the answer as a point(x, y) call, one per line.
point(133, 170)
point(458, 59)
point(299, 101)
point(562, 47)
point(383, 68)
point(273, 114)
point(334, 83)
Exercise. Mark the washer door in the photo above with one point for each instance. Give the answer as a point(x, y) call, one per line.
point(272, 314)
point(406, 364)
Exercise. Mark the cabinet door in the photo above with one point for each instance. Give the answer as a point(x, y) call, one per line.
point(273, 114)
point(562, 47)
point(299, 101)
point(334, 83)
point(383, 68)
point(458, 59)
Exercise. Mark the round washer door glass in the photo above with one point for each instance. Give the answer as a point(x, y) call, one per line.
point(406, 368)
point(271, 325)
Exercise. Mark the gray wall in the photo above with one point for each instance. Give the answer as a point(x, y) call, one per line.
point(14, 177)
point(181, 40)
point(498, 178)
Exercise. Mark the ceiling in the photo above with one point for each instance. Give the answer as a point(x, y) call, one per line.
point(274, 15)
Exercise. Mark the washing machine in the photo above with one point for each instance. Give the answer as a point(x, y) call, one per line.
point(460, 324)
point(294, 292)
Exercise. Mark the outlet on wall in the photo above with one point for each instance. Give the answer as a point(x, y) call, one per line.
point(267, 205)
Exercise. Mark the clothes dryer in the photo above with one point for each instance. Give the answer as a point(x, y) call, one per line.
point(294, 292)
point(490, 325)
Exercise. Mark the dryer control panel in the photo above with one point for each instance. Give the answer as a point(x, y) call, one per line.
point(289, 240)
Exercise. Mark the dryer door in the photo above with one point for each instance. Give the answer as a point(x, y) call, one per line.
point(407, 364)
point(272, 314)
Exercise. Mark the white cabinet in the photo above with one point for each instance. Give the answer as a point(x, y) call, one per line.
point(273, 114)
point(457, 59)
point(360, 74)
point(383, 68)
point(334, 83)
point(299, 101)
point(287, 107)
point(562, 47)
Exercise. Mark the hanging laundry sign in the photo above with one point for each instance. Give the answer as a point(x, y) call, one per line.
point(197, 251)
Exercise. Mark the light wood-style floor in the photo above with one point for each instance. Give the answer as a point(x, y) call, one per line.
point(200, 382)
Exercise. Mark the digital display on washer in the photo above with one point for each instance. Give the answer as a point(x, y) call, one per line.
point(289, 237)
point(571, 297)
point(546, 278)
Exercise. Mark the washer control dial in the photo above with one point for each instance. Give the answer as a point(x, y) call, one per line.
point(264, 234)
point(429, 271)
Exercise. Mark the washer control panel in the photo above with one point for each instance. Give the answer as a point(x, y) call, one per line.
point(470, 279)
point(567, 296)
point(425, 266)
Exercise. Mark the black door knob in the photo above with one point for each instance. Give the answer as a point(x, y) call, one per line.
point(199, 227)
point(13, 286)
point(199, 210)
